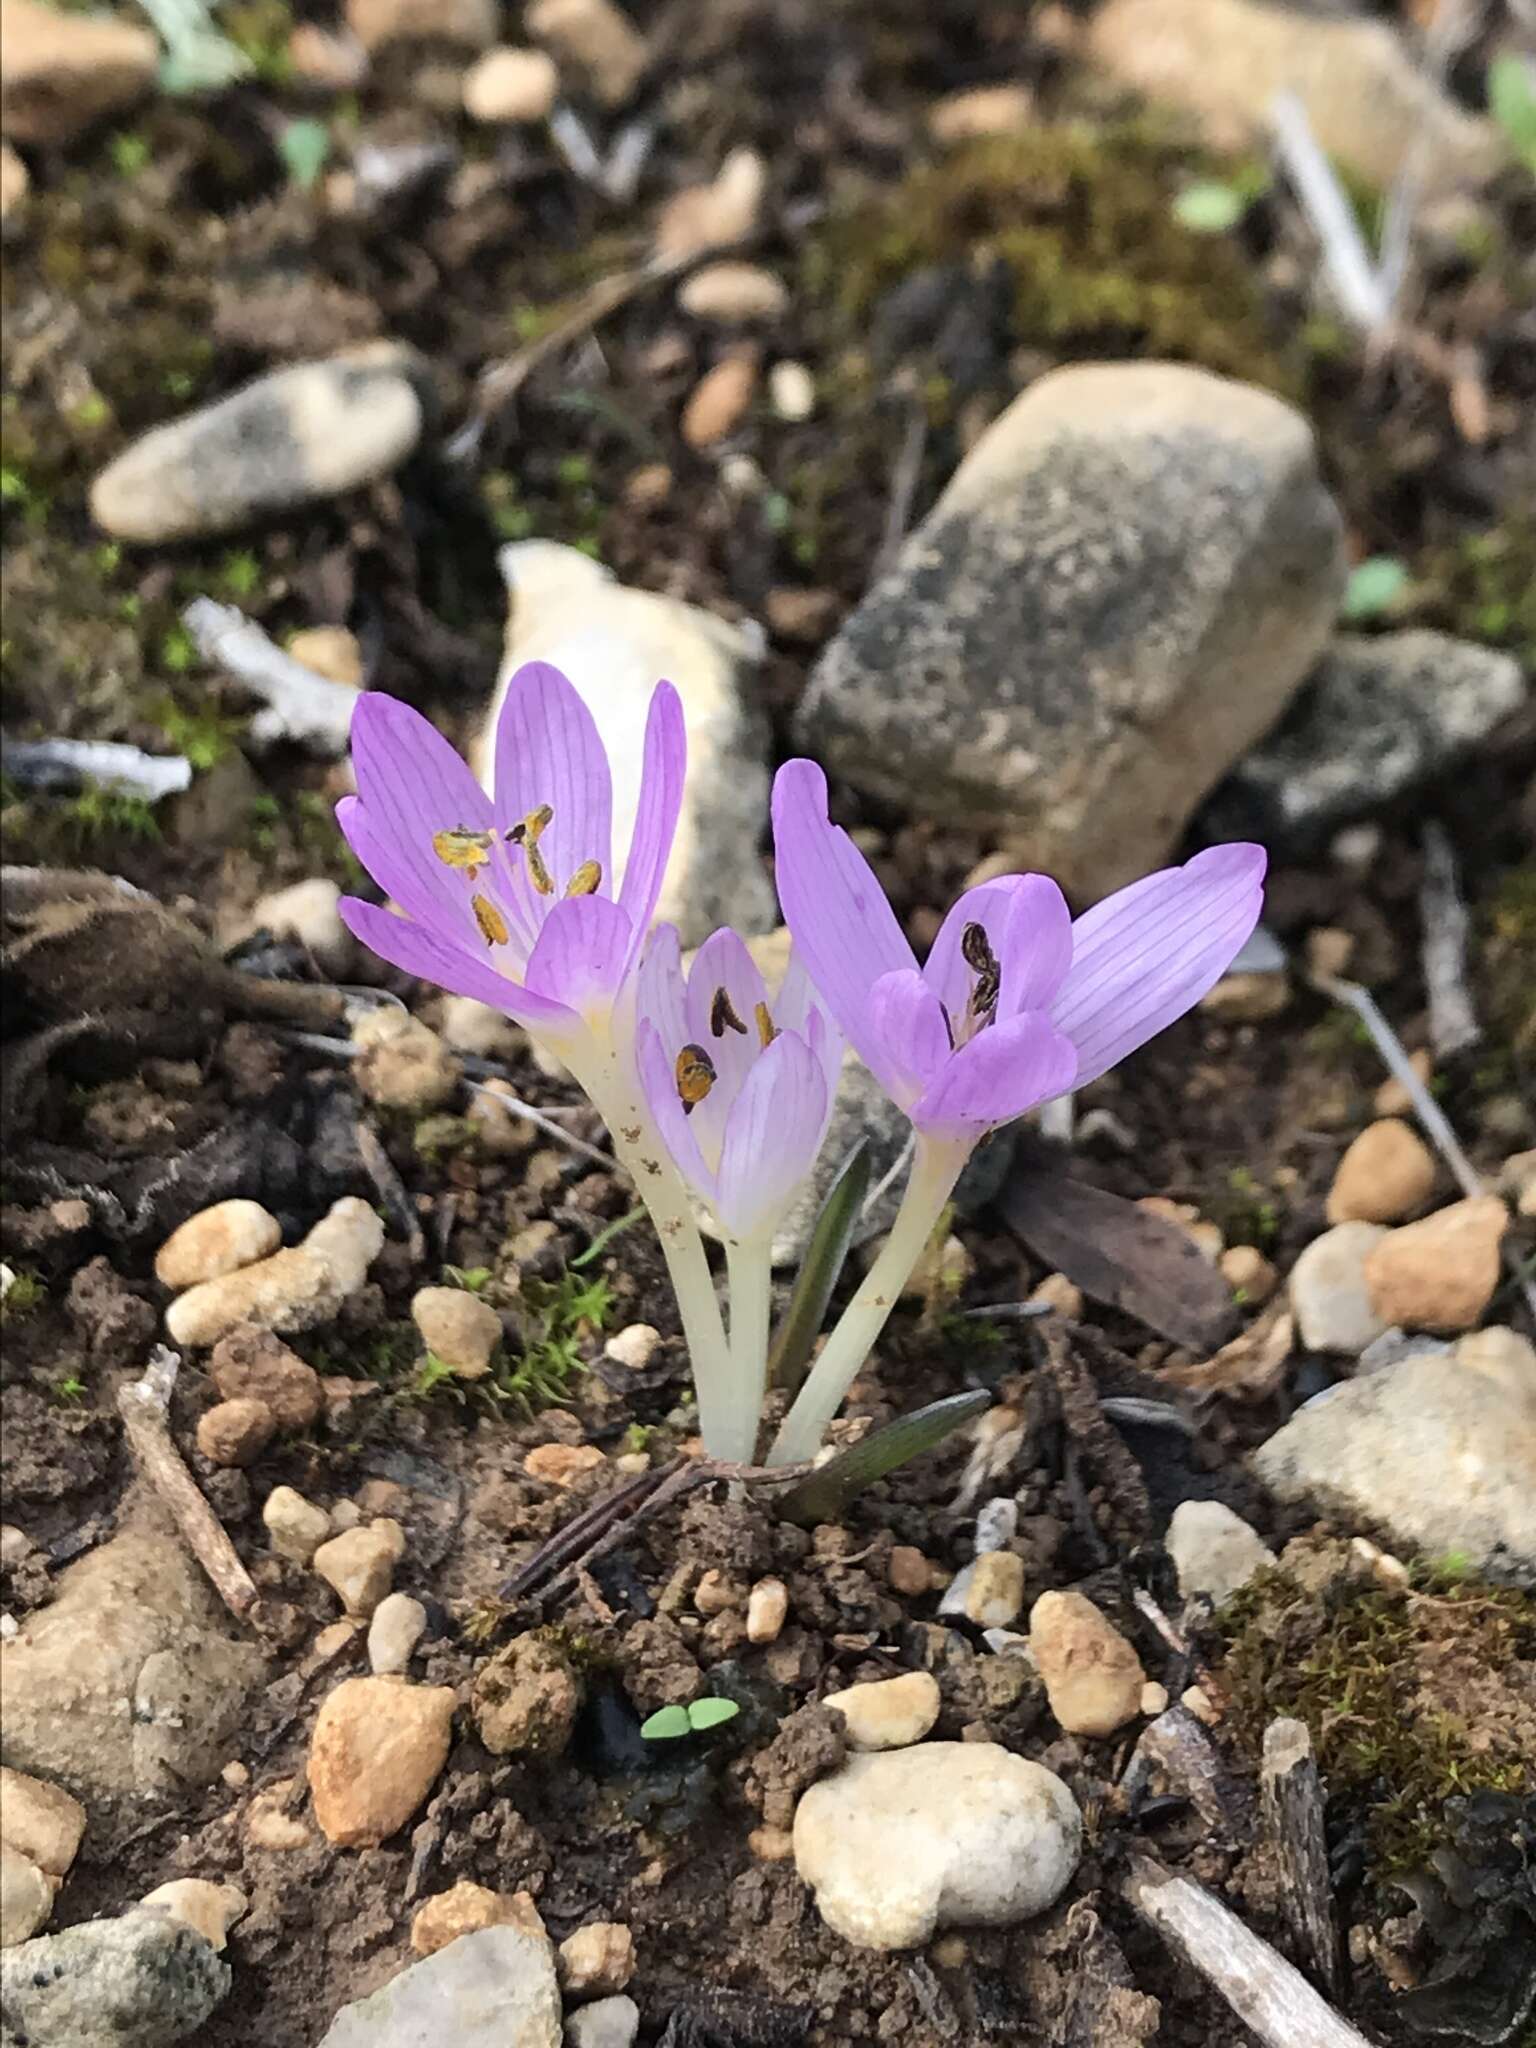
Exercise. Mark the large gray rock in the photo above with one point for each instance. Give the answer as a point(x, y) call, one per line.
point(492, 1989)
point(297, 435)
point(144, 1981)
point(1123, 584)
point(1377, 716)
point(126, 1685)
point(616, 644)
point(1440, 1450)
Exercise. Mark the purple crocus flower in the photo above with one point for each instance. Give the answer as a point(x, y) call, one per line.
point(740, 1085)
point(511, 899)
point(1017, 1001)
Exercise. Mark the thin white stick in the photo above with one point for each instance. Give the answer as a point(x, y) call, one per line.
point(935, 1169)
point(897, 1167)
point(1453, 1025)
point(1356, 283)
point(307, 709)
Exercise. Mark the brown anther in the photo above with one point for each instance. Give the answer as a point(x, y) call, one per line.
point(587, 880)
point(531, 829)
point(695, 1077)
point(461, 848)
point(767, 1030)
point(542, 879)
point(493, 926)
point(722, 1015)
point(976, 951)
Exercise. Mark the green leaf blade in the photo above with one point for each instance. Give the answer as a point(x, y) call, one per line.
point(825, 1257)
point(824, 1495)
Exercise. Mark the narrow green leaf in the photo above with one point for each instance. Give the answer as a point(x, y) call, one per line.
point(1512, 102)
point(824, 1259)
point(604, 1238)
point(666, 1724)
point(824, 1495)
point(1373, 587)
point(1209, 208)
point(711, 1714)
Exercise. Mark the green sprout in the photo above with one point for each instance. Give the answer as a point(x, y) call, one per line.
point(473, 1279)
point(69, 1391)
point(21, 1296)
point(667, 1724)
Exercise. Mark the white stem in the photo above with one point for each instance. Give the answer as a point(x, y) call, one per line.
point(935, 1169)
point(638, 1144)
point(750, 1270)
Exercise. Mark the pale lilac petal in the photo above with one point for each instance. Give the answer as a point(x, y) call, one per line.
point(1005, 1069)
point(548, 752)
point(582, 953)
point(1029, 929)
point(771, 1136)
point(658, 1078)
point(826, 1043)
point(1147, 954)
point(661, 992)
point(908, 1019)
point(798, 1007)
point(426, 953)
point(723, 962)
point(661, 800)
point(410, 784)
point(843, 927)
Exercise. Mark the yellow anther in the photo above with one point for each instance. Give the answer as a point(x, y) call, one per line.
point(493, 926)
point(767, 1030)
point(460, 848)
point(587, 880)
point(695, 1077)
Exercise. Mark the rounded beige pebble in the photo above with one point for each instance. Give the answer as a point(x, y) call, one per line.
point(269, 1824)
point(1387, 1174)
point(771, 1845)
point(1154, 1699)
point(295, 1526)
point(15, 181)
point(465, 1909)
point(597, 1960)
point(1249, 1274)
point(634, 1346)
point(733, 293)
point(402, 1064)
point(331, 652)
point(40, 1821)
point(1392, 1098)
point(719, 400)
point(360, 1563)
point(1093, 1677)
point(459, 1328)
point(909, 1572)
point(1439, 1274)
point(1061, 1294)
point(511, 85)
point(594, 37)
point(62, 71)
point(562, 1464)
point(217, 1241)
point(980, 111)
point(708, 216)
point(211, 1909)
point(717, 1592)
point(468, 1026)
point(1200, 1704)
point(26, 1897)
point(994, 1594)
point(791, 391)
point(235, 1432)
point(1334, 1310)
point(309, 914)
point(888, 1713)
point(398, 1624)
point(897, 1846)
point(376, 1752)
point(767, 1607)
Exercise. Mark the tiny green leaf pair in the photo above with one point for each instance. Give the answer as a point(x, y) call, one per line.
point(668, 1723)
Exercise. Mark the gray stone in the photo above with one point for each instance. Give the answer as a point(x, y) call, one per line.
point(126, 1685)
point(1328, 1291)
point(1214, 1551)
point(1377, 716)
point(300, 434)
point(1123, 584)
point(900, 1844)
point(1440, 1450)
point(144, 1981)
point(606, 2023)
point(616, 644)
point(492, 1989)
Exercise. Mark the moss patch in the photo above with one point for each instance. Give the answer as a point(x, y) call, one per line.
point(1082, 218)
point(1410, 1698)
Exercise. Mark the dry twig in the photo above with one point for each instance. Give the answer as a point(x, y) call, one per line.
point(144, 1405)
point(1265, 1991)
point(1292, 1792)
point(1453, 1026)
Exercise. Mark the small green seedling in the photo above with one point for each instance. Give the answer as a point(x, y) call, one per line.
point(668, 1723)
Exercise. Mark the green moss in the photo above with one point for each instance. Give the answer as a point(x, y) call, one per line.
point(1082, 217)
point(1484, 587)
point(1508, 957)
point(1391, 1687)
